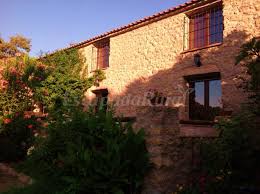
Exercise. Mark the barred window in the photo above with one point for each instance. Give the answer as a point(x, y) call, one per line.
point(205, 27)
point(103, 49)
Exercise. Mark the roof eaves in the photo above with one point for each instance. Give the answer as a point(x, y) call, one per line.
point(133, 25)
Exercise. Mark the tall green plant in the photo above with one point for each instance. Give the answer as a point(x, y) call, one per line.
point(89, 153)
point(66, 84)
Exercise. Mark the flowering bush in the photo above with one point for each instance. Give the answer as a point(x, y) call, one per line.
point(28, 83)
point(16, 136)
point(21, 77)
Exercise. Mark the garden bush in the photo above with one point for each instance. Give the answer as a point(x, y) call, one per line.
point(16, 137)
point(230, 163)
point(53, 82)
point(85, 153)
point(68, 81)
point(21, 75)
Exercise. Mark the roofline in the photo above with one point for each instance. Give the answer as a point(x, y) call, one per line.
point(139, 23)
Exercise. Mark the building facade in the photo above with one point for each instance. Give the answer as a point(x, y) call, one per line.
point(183, 57)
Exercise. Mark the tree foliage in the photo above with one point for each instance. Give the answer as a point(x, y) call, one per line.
point(55, 82)
point(249, 57)
point(67, 82)
point(17, 45)
point(21, 76)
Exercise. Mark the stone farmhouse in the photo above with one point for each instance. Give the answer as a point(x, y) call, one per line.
point(183, 57)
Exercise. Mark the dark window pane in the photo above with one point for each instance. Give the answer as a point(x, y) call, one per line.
point(199, 93)
point(206, 28)
point(215, 93)
point(216, 26)
point(205, 100)
point(200, 31)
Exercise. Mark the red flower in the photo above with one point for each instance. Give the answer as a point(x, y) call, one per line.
point(27, 115)
point(41, 67)
point(7, 121)
point(39, 120)
point(3, 84)
point(30, 126)
point(45, 124)
point(13, 71)
point(18, 81)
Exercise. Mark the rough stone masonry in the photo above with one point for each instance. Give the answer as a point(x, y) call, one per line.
point(151, 56)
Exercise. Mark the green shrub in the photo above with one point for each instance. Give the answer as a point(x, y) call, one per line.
point(249, 57)
point(88, 153)
point(236, 151)
point(68, 81)
point(232, 160)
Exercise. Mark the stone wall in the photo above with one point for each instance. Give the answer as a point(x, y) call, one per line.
point(152, 57)
point(170, 155)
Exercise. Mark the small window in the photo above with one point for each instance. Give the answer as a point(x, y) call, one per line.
point(103, 50)
point(206, 27)
point(101, 99)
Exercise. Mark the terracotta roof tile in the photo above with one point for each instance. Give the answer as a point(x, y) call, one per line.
point(133, 24)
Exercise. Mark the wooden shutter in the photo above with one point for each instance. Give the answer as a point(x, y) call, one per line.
point(103, 55)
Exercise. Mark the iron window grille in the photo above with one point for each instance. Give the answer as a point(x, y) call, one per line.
point(203, 28)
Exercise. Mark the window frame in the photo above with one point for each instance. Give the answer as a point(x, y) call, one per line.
point(104, 58)
point(205, 78)
point(101, 99)
point(204, 12)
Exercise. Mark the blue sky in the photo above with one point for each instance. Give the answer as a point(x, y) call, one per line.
point(54, 24)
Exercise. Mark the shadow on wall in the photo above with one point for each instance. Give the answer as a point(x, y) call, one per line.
point(172, 84)
point(170, 154)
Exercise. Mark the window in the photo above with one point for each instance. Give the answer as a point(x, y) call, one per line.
point(205, 98)
point(101, 99)
point(103, 49)
point(206, 27)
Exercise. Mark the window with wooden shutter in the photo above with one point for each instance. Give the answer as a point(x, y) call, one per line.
point(103, 50)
